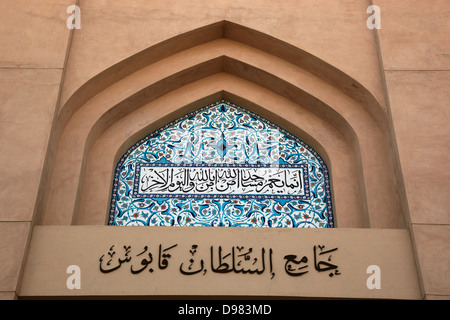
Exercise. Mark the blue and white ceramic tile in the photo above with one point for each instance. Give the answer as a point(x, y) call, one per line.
point(221, 166)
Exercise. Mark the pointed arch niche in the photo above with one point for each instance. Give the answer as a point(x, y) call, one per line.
point(321, 105)
point(221, 166)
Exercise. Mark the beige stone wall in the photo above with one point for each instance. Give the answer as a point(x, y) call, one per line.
point(416, 63)
point(33, 42)
point(372, 101)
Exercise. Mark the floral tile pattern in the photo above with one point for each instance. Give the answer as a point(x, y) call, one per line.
point(221, 166)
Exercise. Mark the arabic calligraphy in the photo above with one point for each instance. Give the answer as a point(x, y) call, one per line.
point(163, 180)
point(296, 268)
point(221, 166)
point(237, 259)
point(240, 256)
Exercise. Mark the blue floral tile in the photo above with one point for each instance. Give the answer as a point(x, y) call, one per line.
point(221, 166)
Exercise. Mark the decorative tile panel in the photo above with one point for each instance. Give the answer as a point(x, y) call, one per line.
point(221, 165)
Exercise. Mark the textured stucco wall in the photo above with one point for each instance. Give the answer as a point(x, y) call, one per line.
point(405, 66)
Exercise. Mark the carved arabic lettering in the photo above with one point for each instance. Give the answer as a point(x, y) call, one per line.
point(114, 265)
point(237, 259)
point(190, 270)
point(297, 267)
point(242, 261)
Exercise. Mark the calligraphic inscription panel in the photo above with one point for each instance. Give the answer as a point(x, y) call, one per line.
point(221, 166)
point(219, 181)
point(232, 262)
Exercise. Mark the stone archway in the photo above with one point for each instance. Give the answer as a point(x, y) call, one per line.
point(320, 104)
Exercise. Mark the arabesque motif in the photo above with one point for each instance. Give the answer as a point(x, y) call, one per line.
point(225, 166)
